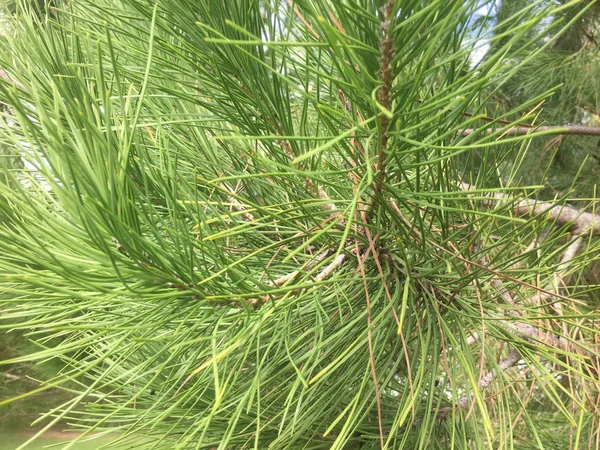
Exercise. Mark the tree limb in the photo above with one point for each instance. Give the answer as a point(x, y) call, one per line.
point(513, 358)
point(579, 222)
point(577, 130)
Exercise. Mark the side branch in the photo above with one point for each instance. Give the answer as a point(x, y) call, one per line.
point(239, 206)
point(580, 222)
point(321, 276)
point(513, 358)
point(577, 130)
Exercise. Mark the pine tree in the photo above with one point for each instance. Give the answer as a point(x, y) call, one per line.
point(277, 224)
point(568, 67)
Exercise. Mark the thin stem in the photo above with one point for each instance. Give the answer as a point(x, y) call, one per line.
point(370, 340)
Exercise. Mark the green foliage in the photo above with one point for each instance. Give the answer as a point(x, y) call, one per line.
point(245, 227)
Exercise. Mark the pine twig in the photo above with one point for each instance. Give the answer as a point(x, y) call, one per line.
point(321, 276)
point(386, 76)
point(238, 205)
point(326, 273)
point(533, 334)
point(512, 359)
point(575, 130)
point(319, 192)
point(314, 262)
point(10, 376)
point(580, 222)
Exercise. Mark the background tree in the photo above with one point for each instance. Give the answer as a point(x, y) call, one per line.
point(295, 225)
point(568, 67)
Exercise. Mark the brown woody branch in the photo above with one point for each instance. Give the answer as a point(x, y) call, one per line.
point(513, 358)
point(579, 222)
point(576, 130)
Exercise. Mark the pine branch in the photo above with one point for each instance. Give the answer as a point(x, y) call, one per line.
point(579, 222)
point(513, 358)
point(314, 262)
point(386, 76)
point(320, 192)
point(576, 130)
point(535, 334)
point(10, 376)
point(282, 280)
point(326, 273)
point(238, 205)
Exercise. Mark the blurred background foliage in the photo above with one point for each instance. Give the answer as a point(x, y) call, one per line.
point(570, 68)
